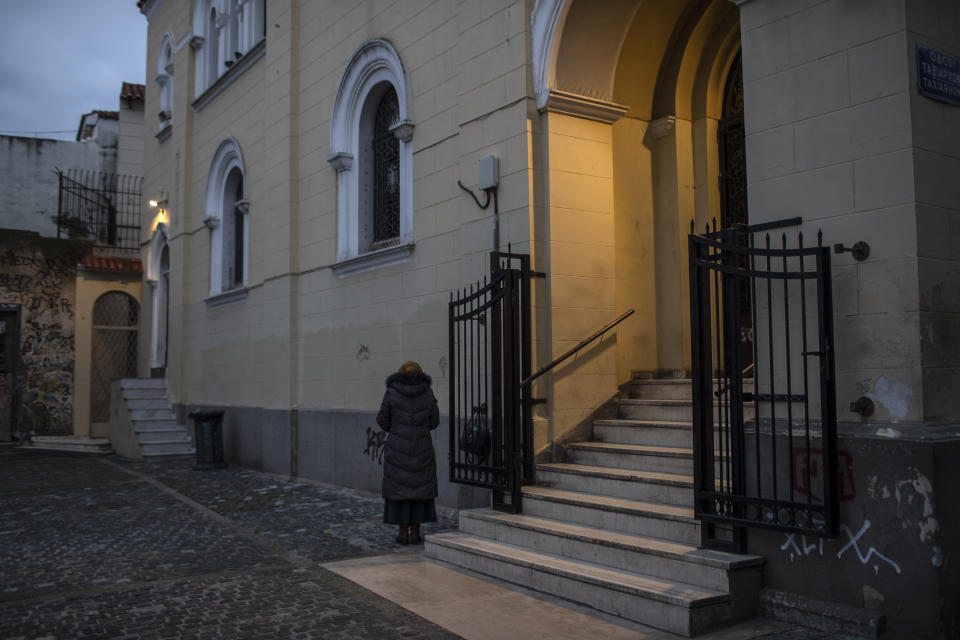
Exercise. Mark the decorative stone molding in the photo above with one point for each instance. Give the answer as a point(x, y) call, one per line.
point(386, 257)
point(243, 206)
point(403, 130)
point(583, 106)
point(211, 222)
point(248, 60)
point(375, 64)
point(165, 128)
point(196, 42)
point(341, 161)
point(234, 295)
point(545, 21)
point(662, 127)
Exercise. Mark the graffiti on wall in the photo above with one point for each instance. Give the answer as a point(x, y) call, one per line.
point(37, 282)
point(799, 547)
point(376, 443)
point(808, 474)
point(38, 274)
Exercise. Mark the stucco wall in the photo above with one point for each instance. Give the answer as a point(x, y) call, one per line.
point(936, 142)
point(29, 190)
point(304, 337)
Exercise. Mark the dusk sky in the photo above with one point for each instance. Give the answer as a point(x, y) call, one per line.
point(64, 58)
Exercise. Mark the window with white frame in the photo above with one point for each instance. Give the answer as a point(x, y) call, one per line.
point(227, 211)
point(371, 147)
point(224, 32)
point(165, 81)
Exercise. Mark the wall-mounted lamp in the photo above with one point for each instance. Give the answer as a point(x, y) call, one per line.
point(160, 202)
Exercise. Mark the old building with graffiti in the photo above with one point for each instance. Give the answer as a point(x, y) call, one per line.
point(69, 231)
point(683, 273)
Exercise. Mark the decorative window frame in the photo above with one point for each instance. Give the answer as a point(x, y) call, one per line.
point(227, 158)
point(165, 81)
point(159, 241)
point(376, 62)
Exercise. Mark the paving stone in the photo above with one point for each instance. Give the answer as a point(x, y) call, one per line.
point(89, 550)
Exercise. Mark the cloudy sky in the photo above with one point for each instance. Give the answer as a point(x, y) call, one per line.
point(63, 58)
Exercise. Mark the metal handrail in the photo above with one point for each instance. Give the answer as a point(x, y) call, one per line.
point(582, 344)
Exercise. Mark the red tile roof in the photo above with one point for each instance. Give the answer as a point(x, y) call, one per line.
point(131, 91)
point(107, 115)
point(128, 265)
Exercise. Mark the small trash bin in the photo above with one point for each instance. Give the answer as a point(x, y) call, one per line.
point(208, 435)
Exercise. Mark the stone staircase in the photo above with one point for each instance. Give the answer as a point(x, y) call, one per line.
point(143, 425)
point(613, 528)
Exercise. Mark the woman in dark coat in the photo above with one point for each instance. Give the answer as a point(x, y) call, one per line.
point(409, 412)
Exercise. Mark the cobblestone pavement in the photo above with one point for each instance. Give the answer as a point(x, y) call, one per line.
point(109, 548)
point(101, 547)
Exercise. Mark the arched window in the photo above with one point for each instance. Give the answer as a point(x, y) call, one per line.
point(165, 81)
point(225, 30)
point(226, 217)
point(371, 148)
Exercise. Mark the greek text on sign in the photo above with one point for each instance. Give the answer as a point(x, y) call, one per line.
point(938, 75)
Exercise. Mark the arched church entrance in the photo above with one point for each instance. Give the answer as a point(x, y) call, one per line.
point(642, 116)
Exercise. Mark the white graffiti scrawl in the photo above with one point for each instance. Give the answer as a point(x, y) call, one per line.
point(801, 548)
point(864, 558)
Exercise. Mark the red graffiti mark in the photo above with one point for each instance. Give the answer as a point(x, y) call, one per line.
point(808, 474)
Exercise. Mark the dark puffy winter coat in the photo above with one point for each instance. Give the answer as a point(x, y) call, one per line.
point(409, 412)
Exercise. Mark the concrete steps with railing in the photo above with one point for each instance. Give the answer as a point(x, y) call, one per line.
point(145, 427)
point(612, 526)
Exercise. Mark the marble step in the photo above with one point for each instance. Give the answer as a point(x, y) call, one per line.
point(631, 456)
point(145, 415)
point(661, 603)
point(145, 404)
point(149, 392)
point(665, 410)
point(69, 444)
point(143, 383)
point(669, 389)
point(651, 556)
point(656, 433)
point(638, 517)
point(163, 435)
point(633, 484)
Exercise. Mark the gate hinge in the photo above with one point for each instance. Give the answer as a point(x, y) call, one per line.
point(535, 401)
point(536, 274)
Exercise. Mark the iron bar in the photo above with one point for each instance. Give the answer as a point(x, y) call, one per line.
point(578, 347)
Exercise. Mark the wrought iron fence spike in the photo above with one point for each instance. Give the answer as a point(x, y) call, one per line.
point(784, 239)
point(800, 239)
point(820, 237)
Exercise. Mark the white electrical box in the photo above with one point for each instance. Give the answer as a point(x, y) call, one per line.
point(489, 172)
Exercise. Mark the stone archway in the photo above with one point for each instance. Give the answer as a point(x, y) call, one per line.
point(158, 277)
point(635, 87)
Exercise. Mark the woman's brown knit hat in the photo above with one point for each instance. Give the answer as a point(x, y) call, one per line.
point(410, 367)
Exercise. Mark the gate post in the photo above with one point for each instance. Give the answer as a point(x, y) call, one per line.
point(701, 353)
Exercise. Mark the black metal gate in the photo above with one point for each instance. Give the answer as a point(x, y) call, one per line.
point(491, 441)
point(765, 452)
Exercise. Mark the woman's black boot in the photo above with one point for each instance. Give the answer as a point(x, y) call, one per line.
point(403, 537)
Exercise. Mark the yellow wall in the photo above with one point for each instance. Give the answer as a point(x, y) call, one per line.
point(90, 286)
